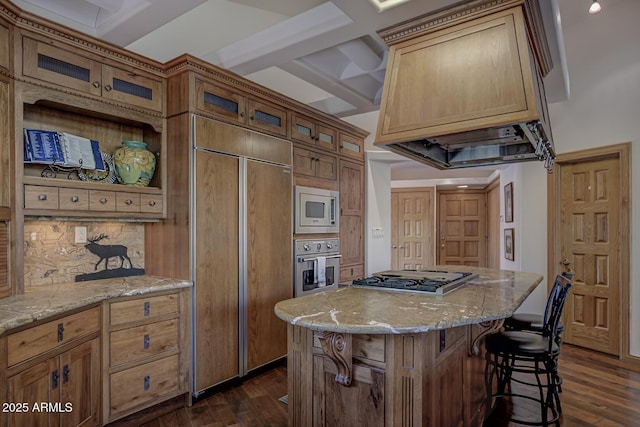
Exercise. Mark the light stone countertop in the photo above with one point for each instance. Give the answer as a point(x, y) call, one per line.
point(494, 294)
point(40, 302)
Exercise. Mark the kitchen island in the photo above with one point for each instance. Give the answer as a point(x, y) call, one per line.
point(371, 357)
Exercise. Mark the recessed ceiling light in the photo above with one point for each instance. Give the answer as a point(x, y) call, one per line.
point(383, 5)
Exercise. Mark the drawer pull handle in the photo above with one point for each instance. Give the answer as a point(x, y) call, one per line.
point(54, 379)
point(443, 340)
point(147, 308)
point(42, 197)
point(128, 202)
point(65, 374)
point(74, 199)
point(60, 332)
point(108, 88)
point(147, 382)
point(103, 200)
point(152, 203)
point(147, 339)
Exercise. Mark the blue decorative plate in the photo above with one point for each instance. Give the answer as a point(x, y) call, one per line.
point(108, 175)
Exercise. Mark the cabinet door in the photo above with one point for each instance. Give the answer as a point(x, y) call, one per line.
point(216, 269)
point(80, 385)
point(267, 118)
point(326, 137)
point(6, 166)
point(448, 410)
point(268, 255)
point(61, 67)
point(131, 88)
point(332, 401)
point(351, 213)
point(351, 188)
point(303, 129)
point(221, 102)
point(304, 162)
point(5, 43)
point(351, 146)
point(40, 383)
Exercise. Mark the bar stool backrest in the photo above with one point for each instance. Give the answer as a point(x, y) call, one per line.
point(555, 305)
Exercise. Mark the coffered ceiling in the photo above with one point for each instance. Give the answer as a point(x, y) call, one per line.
point(324, 53)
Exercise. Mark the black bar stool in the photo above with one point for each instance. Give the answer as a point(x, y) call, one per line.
point(534, 322)
point(530, 354)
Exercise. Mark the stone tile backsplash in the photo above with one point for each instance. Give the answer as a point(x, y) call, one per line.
point(52, 256)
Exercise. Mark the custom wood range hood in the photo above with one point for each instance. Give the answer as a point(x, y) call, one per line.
point(464, 86)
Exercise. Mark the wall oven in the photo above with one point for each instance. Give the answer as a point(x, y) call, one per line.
point(317, 265)
point(316, 210)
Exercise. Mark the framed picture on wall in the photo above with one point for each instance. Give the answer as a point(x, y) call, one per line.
point(509, 243)
point(508, 202)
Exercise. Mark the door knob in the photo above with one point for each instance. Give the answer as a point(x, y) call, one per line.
point(565, 262)
point(394, 247)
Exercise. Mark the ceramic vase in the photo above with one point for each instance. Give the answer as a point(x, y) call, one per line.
point(134, 164)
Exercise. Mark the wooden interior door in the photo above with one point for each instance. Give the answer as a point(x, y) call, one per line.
point(590, 243)
point(462, 228)
point(269, 261)
point(412, 228)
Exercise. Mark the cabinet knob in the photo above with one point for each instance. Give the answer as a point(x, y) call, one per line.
point(251, 118)
point(242, 114)
point(128, 202)
point(108, 88)
point(42, 197)
point(152, 203)
point(96, 84)
point(103, 200)
point(74, 199)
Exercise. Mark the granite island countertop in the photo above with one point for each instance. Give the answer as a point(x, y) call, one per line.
point(40, 302)
point(493, 294)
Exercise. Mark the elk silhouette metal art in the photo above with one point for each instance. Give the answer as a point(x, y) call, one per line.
point(105, 252)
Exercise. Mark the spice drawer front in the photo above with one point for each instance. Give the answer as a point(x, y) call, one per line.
point(73, 199)
point(133, 344)
point(103, 201)
point(40, 197)
point(36, 340)
point(151, 203)
point(144, 383)
point(143, 309)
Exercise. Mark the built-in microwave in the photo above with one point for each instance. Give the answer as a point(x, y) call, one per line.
point(316, 210)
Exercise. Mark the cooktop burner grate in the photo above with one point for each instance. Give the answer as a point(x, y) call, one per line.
point(427, 281)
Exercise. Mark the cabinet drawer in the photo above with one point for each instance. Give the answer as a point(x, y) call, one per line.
point(135, 343)
point(39, 197)
point(100, 200)
point(141, 384)
point(73, 199)
point(127, 202)
point(143, 308)
point(31, 342)
point(351, 272)
point(151, 203)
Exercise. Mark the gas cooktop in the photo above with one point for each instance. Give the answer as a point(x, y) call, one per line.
point(435, 282)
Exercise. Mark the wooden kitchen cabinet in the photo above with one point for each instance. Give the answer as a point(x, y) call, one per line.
point(68, 68)
point(240, 109)
point(145, 351)
point(5, 45)
point(351, 146)
point(307, 130)
point(351, 220)
point(6, 180)
point(493, 49)
point(56, 363)
point(314, 164)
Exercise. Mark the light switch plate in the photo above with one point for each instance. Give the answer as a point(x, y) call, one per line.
point(81, 234)
point(378, 232)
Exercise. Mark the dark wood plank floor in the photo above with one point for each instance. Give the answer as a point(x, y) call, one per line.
point(597, 391)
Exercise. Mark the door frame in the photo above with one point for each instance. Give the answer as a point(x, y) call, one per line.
point(623, 153)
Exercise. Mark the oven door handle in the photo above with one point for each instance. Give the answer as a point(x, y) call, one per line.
point(313, 259)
